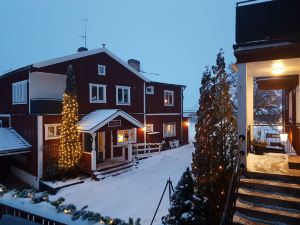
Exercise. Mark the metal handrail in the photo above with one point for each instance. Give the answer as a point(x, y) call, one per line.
point(233, 186)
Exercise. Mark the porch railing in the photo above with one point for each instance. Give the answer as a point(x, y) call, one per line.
point(145, 149)
point(270, 135)
point(232, 194)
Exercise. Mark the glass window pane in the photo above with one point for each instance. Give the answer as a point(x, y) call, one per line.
point(100, 93)
point(94, 93)
point(125, 95)
point(120, 95)
point(51, 131)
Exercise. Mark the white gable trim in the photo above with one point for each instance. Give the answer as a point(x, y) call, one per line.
point(110, 118)
point(85, 54)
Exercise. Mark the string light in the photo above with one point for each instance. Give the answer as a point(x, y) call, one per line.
point(70, 148)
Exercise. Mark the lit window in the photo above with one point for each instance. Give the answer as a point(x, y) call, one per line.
point(168, 98)
point(149, 128)
point(19, 92)
point(52, 131)
point(150, 90)
point(97, 93)
point(126, 136)
point(169, 129)
point(122, 95)
point(102, 70)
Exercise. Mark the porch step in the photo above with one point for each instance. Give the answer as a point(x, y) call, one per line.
point(114, 171)
point(268, 199)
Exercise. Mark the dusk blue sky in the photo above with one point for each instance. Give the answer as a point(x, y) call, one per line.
point(174, 38)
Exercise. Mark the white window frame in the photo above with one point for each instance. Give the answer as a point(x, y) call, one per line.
point(165, 135)
point(55, 125)
point(150, 126)
point(19, 92)
point(129, 95)
point(150, 90)
point(97, 86)
point(101, 70)
point(165, 95)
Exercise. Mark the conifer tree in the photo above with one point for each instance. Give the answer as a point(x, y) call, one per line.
point(215, 138)
point(69, 149)
point(183, 201)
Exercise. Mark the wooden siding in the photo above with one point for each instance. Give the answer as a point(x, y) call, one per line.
point(155, 102)
point(157, 122)
point(86, 70)
point(6, 105)
point(26, 126)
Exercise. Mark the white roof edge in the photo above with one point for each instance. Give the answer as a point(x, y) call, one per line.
point(111, 117)
point(88, 53)
point(21, 138)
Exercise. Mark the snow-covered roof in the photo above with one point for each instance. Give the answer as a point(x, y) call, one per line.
point(88, 53)
point(98, 118)
point(259, 46)
point(11, 142)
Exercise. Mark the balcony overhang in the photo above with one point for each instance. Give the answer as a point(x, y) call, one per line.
point(278, 82)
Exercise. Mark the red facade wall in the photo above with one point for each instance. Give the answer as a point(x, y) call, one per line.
point(157, 122)
point(155, 102)
point(86, 70)
point(6, 105)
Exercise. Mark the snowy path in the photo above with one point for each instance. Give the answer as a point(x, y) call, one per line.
point(136, 193)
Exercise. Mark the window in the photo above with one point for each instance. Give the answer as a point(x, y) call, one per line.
point(101, 70)
point(1, 123)
point(19, 92)
point(169, 129)
point(149, 128)
point(168, 98)
point(52, 131)
point(150, 90)
point(122, 95)
point(97, 93)
point(126, 136)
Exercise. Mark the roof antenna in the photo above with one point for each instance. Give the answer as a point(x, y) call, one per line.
point(84, 20)
point(103, 45)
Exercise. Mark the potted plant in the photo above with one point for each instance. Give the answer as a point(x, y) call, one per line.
point(259, 147)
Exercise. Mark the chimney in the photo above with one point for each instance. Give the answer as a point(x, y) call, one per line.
point(82, 49)
point(135, 64)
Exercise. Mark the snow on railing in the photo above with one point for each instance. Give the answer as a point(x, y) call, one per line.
point(144, 149)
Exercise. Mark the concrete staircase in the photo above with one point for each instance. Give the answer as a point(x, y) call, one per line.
point(113, 170)
point(268, 199)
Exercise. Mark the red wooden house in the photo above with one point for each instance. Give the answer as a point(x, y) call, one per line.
point(118, 107)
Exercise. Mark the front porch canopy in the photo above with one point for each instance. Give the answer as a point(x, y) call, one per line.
point(93, 121)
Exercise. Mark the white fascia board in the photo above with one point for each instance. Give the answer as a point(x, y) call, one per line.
point(88, 53)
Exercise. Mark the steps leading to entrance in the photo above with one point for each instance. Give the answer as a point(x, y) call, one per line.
point(274, 149)
point(113, 170)
point(268, 199)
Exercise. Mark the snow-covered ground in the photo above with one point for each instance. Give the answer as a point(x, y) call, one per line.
point(268, 163)
point(135, 193)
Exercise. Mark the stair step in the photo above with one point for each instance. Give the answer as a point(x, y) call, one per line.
point(272, 203)
point(273, 177)
point(112, 167)
point(277, 187)
point(266, 215)
point(117, 169)
point(239, 220)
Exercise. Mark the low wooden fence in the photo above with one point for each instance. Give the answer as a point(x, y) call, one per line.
point(9, 210)
point(145, 149)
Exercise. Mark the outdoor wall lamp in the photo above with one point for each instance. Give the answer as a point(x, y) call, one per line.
point(277, 68)
point(283, 136)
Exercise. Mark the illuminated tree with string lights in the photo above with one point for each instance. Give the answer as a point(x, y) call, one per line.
point(69, 149)
point(215, 138)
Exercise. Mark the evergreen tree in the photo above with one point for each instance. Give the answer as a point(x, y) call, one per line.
point(183, 201)
point(69, 149)
point(215, 138)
